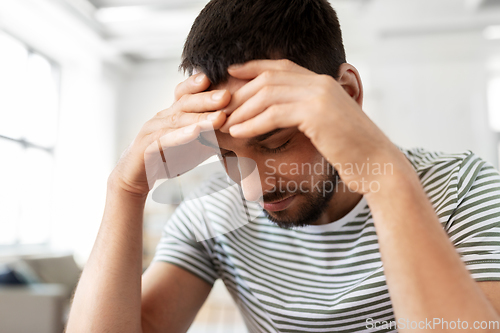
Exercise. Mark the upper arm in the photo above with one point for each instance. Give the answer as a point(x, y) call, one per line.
point(171, 298)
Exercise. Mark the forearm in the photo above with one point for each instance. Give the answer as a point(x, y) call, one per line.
point(425, 275)
point(108, 296)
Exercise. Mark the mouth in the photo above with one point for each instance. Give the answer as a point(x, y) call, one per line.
point(276, 206)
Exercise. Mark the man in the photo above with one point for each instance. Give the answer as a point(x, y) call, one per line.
point(405, 235)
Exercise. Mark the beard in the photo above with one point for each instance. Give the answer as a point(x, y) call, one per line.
point(309, 213)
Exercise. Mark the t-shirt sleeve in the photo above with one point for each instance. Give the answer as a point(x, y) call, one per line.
point(474, 226)
point(179, 246)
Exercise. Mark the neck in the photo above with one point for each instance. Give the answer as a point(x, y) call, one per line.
point(341, 203)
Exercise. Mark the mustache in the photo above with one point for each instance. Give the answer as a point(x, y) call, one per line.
point(276, 196)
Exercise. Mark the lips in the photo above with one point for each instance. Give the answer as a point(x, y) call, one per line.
point(278, 205)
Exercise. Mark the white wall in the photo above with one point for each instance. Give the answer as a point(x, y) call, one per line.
point(146, 89)
point(85, 150)
point(433, 101)
point(85, 156)
point(425, 68)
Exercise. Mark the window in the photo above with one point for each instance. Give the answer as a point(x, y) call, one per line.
point(28, 126)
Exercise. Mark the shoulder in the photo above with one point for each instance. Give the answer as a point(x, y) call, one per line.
point(451, 178)
point(423, 160)
point(434, 165)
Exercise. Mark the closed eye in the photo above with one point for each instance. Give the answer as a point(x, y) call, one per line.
point(265, 149)
point(277, 149)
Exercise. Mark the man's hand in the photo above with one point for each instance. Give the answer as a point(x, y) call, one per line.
point(101, 306)
point(174, 130)
point(425, 275)
point(282, 94)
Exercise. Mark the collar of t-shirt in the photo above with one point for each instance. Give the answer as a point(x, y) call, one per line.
point(337, 224)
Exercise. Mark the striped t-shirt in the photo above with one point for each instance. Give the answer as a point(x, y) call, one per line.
point(324, 278)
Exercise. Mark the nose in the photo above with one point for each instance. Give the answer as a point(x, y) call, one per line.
point(252, 182)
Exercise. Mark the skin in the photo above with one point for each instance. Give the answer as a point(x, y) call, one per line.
point(425, 275)
point(110, 296)
point(276, 168)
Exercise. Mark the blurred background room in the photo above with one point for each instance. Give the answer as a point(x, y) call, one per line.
point(78, 78)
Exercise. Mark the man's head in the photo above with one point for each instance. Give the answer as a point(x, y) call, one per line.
point(228, 32)
point(289, 167)
point(306, 32)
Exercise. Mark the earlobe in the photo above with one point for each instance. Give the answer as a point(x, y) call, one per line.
point(350, 80)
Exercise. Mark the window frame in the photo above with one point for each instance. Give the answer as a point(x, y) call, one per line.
point(17, 247)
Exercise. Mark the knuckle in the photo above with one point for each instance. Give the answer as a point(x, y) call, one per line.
point(178, 90)
point(317, 103)
point(173, 119)
point(318, 106)
point(157, 136)
point(267, 75)
point(285, 64)
point(201, 116)
point(273, 114)
point(183, 101)
point(266, 91)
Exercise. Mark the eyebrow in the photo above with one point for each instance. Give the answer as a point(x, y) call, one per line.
point(262, 137)
point(252, 141)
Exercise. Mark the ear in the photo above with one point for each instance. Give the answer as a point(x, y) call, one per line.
point(350, 80)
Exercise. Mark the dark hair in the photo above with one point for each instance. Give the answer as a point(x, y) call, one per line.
point(227, 32)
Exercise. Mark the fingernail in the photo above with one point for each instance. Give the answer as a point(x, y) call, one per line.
point(218, 95)
point(235, 66)
point(199, 78)
point(213, 116)
point(189, 129)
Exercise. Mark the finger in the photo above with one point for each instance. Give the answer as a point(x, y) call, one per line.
point(194, 84)
point(267, 78)
point(179, 136)
point(174, 153)
point(174, 138)
point(253, 68)
point(276, 116)
point(204, 101)
point(262, 100)
point(200, 102)
point(182, 119)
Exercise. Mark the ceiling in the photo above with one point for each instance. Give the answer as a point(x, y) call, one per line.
point(159, 4)
point(156, 29)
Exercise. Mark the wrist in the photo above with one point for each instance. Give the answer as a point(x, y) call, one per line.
point(402, 179)
point(117, 187)
point(401, 191)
